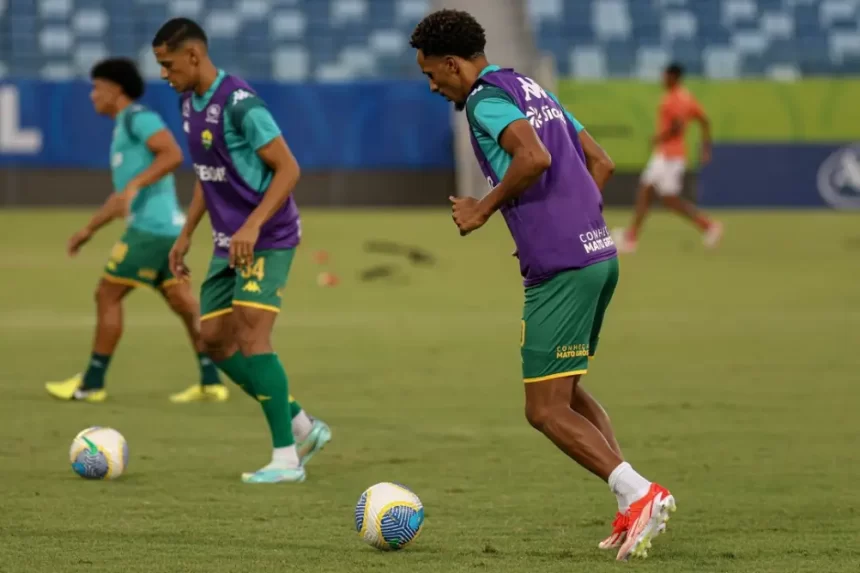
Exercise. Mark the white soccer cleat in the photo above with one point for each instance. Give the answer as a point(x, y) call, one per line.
point(622, 241)
point(713, 235)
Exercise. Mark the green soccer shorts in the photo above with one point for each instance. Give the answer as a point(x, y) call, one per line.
point(562, 318)
point(257, 285)
point(141, 259)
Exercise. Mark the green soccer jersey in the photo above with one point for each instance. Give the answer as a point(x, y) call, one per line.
point(491, 110)
point(155, 209)
point(248, 126)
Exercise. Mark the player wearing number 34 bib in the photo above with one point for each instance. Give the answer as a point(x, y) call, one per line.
point(245, 177)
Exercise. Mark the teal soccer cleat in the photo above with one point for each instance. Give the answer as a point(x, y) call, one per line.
point(320, 435)
point(293, 475)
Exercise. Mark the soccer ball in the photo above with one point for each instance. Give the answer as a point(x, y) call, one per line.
point(389, 516)
point(99, 453)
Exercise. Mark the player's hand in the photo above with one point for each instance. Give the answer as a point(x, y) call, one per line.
point(706, 155)
point(78, 240)
point(242, 245)
point(177, 257)
point(468, 214)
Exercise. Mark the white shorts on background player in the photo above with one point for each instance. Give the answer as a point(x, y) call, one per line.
point(665, 174)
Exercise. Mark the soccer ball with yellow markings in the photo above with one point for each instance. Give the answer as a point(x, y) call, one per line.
point(99, 453)
point(389, 516)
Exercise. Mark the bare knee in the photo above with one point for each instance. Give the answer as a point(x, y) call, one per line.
point(181, 301)
point(646, 192)
point(673, 202)
point(218, 338)
point(538, 415)
point(547, 400)
point(254, 330)
point(109, 294)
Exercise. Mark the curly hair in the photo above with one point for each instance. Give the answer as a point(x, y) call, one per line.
point(123, 72)
point(449, 33)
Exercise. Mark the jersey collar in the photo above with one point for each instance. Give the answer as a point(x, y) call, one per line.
point(200, 102)
point(488, 69)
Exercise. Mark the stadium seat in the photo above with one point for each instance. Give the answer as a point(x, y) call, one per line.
point(334, 40)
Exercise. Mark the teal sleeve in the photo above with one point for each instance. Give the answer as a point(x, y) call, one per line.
point(578, 126)
point(145, 124)
point(494, 114)
point(259, 127)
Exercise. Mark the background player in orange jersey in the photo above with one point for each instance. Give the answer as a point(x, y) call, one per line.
point(664, 174)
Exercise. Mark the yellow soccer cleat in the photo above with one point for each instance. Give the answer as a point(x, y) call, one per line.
point(71, 390)
point(200, 393)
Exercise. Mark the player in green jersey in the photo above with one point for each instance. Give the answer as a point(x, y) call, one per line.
point(143, 156)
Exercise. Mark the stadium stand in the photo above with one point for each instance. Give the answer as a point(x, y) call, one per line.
point(337, 40)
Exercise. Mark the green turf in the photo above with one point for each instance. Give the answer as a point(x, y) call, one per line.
point(731, 377)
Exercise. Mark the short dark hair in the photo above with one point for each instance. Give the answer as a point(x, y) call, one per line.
point(175, 32)
point(675, 69)
point(449, 33)
point(123, 72)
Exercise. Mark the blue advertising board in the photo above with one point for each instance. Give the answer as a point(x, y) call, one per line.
point(782, 175)
point(360, 126)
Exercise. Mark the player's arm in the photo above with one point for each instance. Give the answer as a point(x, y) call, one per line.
point(285, 169)
point(492, 112)
point(529, 160)
point(600, 165)
point(196, 210)
point(150, 128)
point(176, 257)
point(699, 115)
point(107, 212)
point(167, 155)
point(259, 129)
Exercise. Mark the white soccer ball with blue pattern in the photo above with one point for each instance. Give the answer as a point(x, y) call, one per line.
point(99, 453)
point(389, 516)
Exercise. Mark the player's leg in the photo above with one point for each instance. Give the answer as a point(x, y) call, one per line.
point(644, 198)
point(671, 186)
point(558, 335)
point(557, 320)
point(548, 411)
point(122, 274)
point(181, 301)
point(220, 342)
point(712, 230)
point(584, 403)
point(581, 401)
point(625, 482)
point(627, 239)
point(254, 328)
point(256, 304)
point(217, 325)
point(109, 324)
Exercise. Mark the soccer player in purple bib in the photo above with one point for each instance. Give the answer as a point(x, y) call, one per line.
point(530, 149)
point(245, 177)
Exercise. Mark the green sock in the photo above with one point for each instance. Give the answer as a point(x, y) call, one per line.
point(208, 371)
point(94, 377)
point(236, 367)
point(295, 407)
point(271, 385)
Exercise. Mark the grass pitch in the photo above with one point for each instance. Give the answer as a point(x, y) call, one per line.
point(731, 377)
